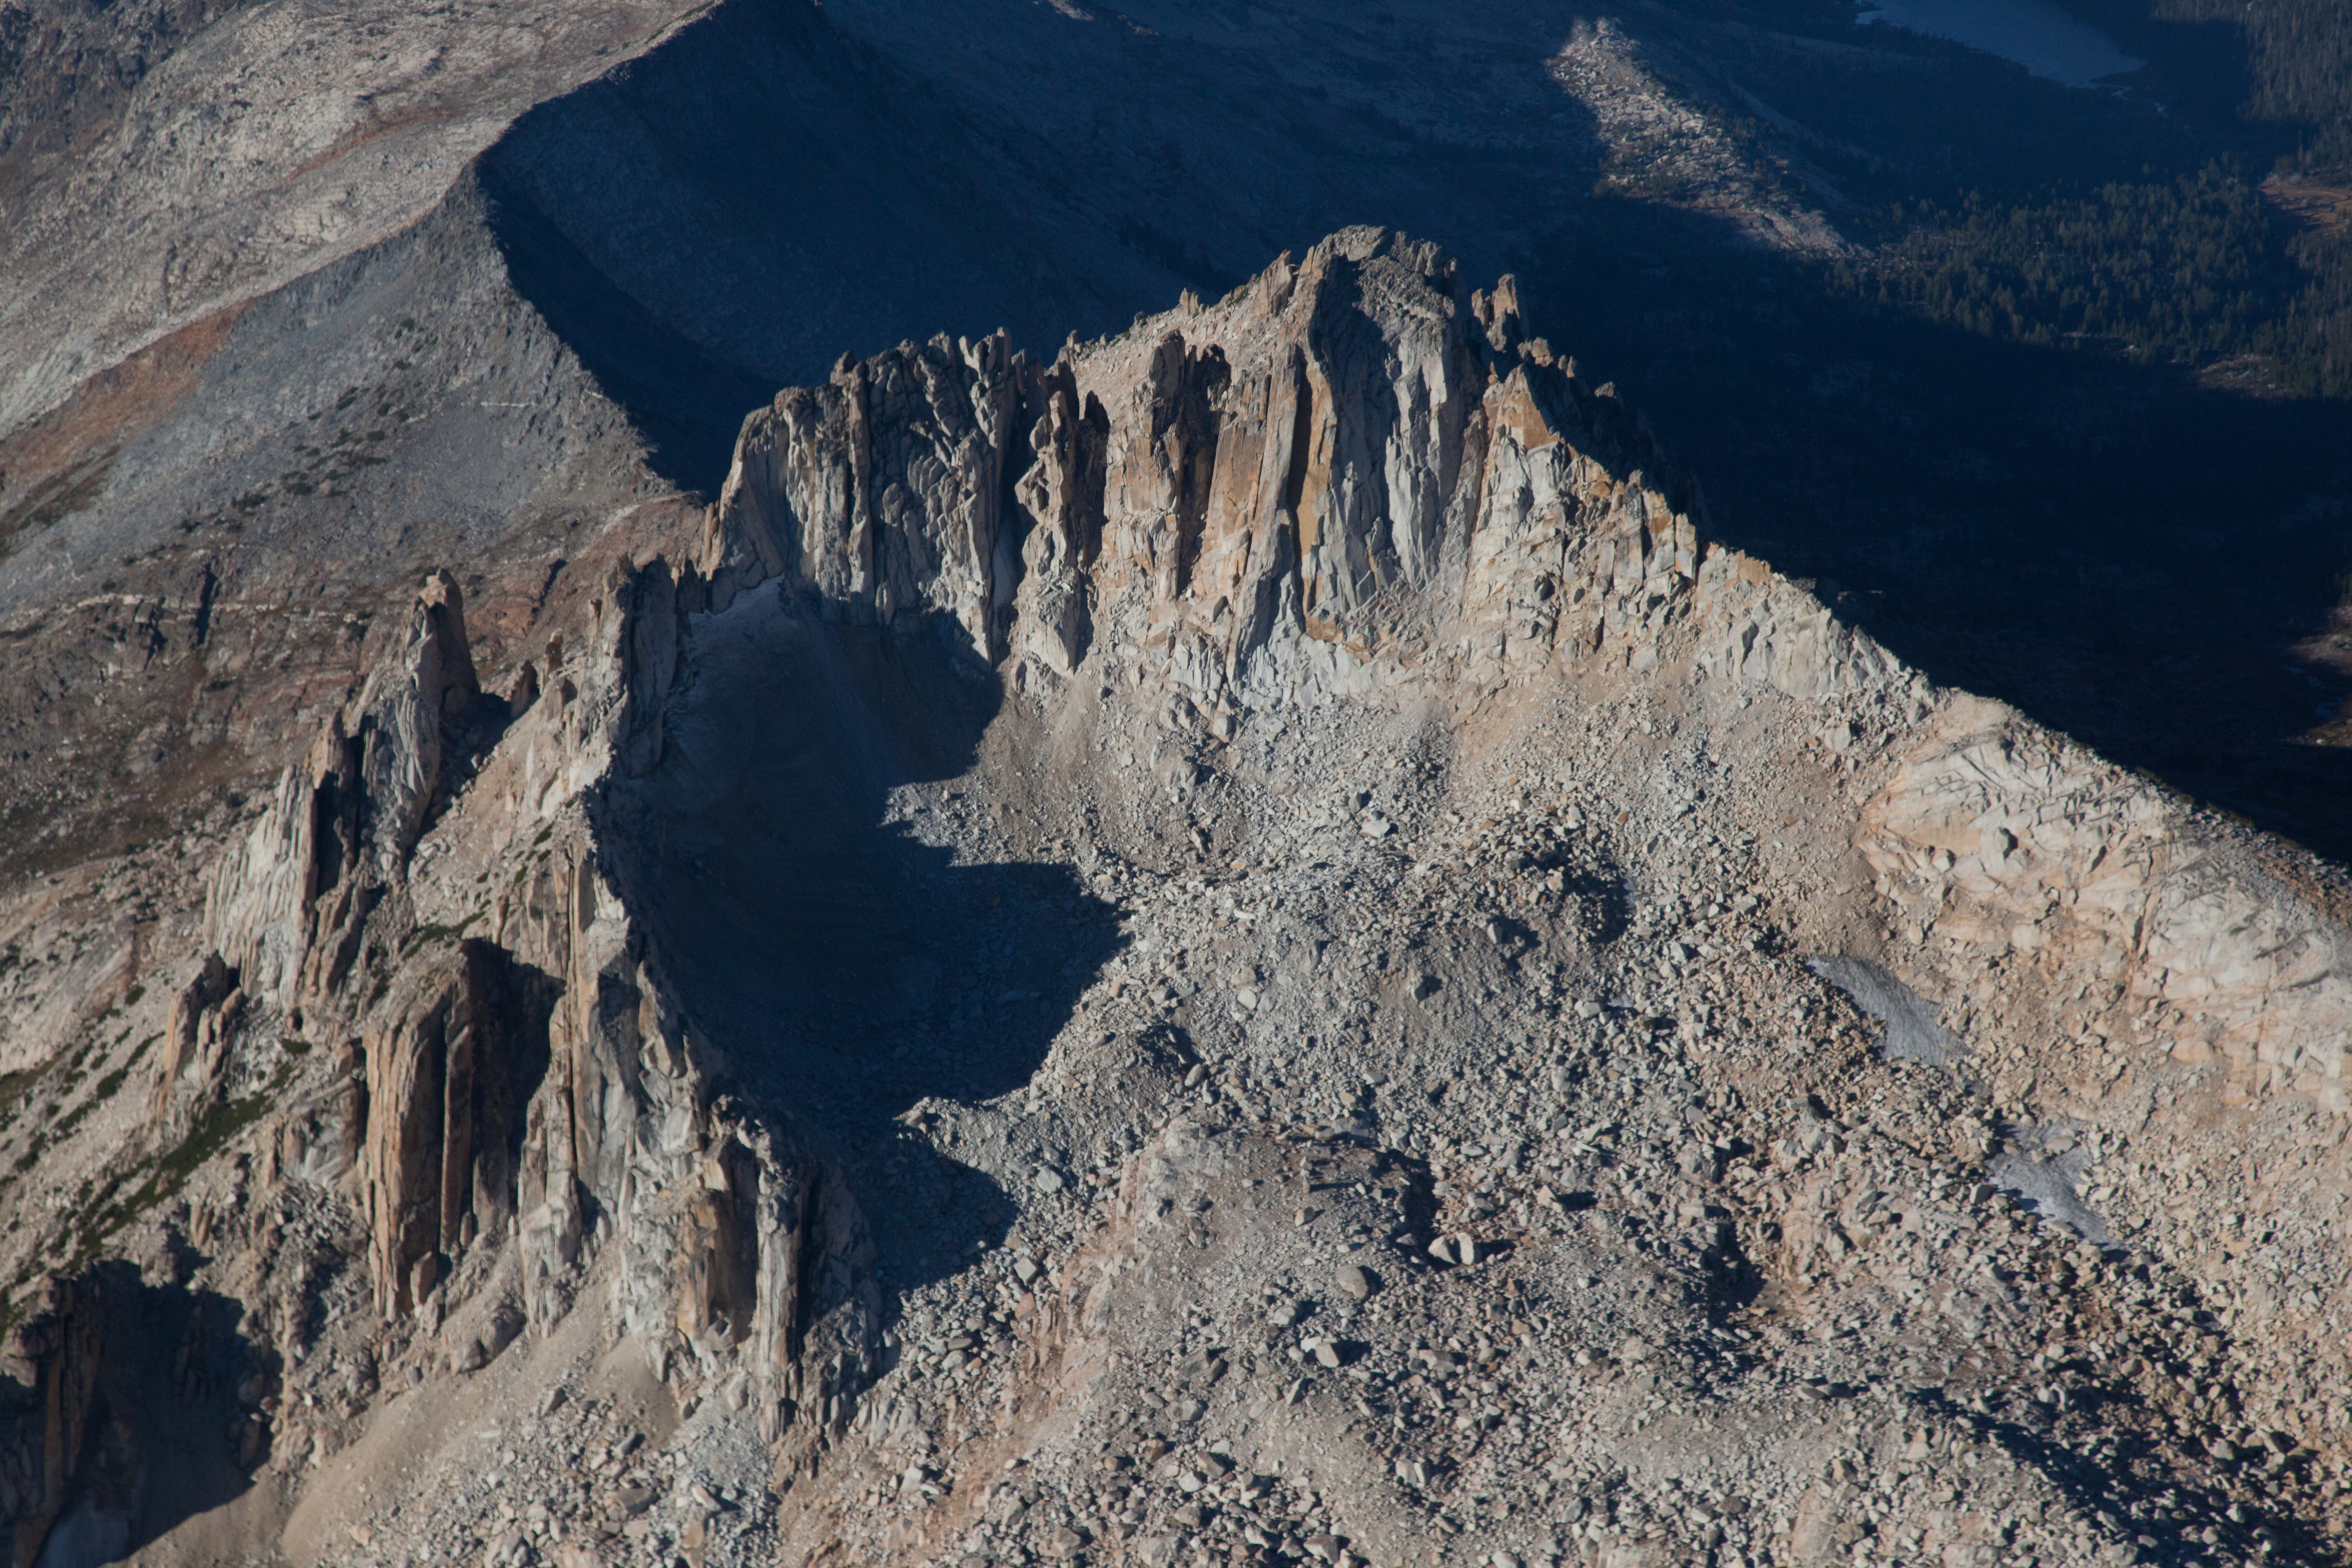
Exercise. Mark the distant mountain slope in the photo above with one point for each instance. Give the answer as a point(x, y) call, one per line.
point(162, 161)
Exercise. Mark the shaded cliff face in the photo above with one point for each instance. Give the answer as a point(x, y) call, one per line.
point(647, 230)
point(1246, 940)
point(1233, 942)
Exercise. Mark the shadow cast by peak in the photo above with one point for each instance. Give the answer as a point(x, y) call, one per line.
point(841, 969)
point(147, 1397)
point(777, 185)
point(2114, 549)
point(685, 402)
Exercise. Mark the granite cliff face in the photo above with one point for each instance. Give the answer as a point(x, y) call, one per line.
point(1248, 944)
point(1341, 452)
point(1245, 942)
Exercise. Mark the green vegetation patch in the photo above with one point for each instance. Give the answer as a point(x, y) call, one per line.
point(439, 933)
point(2187, 272)
point(99, 1217)
point(213, 1132)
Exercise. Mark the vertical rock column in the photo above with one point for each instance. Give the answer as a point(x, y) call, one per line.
point(49, 1382)
point(446, 1080)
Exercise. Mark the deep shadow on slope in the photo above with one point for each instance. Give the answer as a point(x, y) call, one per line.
point(774, 190)
point(762, 193)
point(2115, 550)
point(171, 1431)
point(2097, 1483)
point(844, 970)
point(2109, 547)
point(687, 403)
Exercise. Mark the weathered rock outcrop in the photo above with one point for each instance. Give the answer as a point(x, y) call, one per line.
point(522, 1083)
point(1062, 491)
point(1351, 462)
point(448, 1076)
point(883, 492)
point(2160, 977)
point(1195, 594)
point(1992, 835)
point(201, 1015)
point(286, 909)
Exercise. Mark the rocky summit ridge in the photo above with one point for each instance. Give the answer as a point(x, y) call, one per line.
point(1246, 946)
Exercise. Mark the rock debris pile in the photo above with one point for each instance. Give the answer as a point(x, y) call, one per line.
point(1242, 948)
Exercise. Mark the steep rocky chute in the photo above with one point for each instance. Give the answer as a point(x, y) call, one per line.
point(701, 1021)
point(527, 1088)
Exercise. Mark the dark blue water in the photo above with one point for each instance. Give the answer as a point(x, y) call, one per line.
point(2038, 36)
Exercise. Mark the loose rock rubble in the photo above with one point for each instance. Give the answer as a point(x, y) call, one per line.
point(1243, 948)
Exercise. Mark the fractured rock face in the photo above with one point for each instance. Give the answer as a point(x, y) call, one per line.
point(523, 1088)
point(1340, 453)
point(288, 905)
point(447, 1081)
point(412, 709)
point(1061, 496)
point(883, 493)
point(1203, 948)
point(52, 1364)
